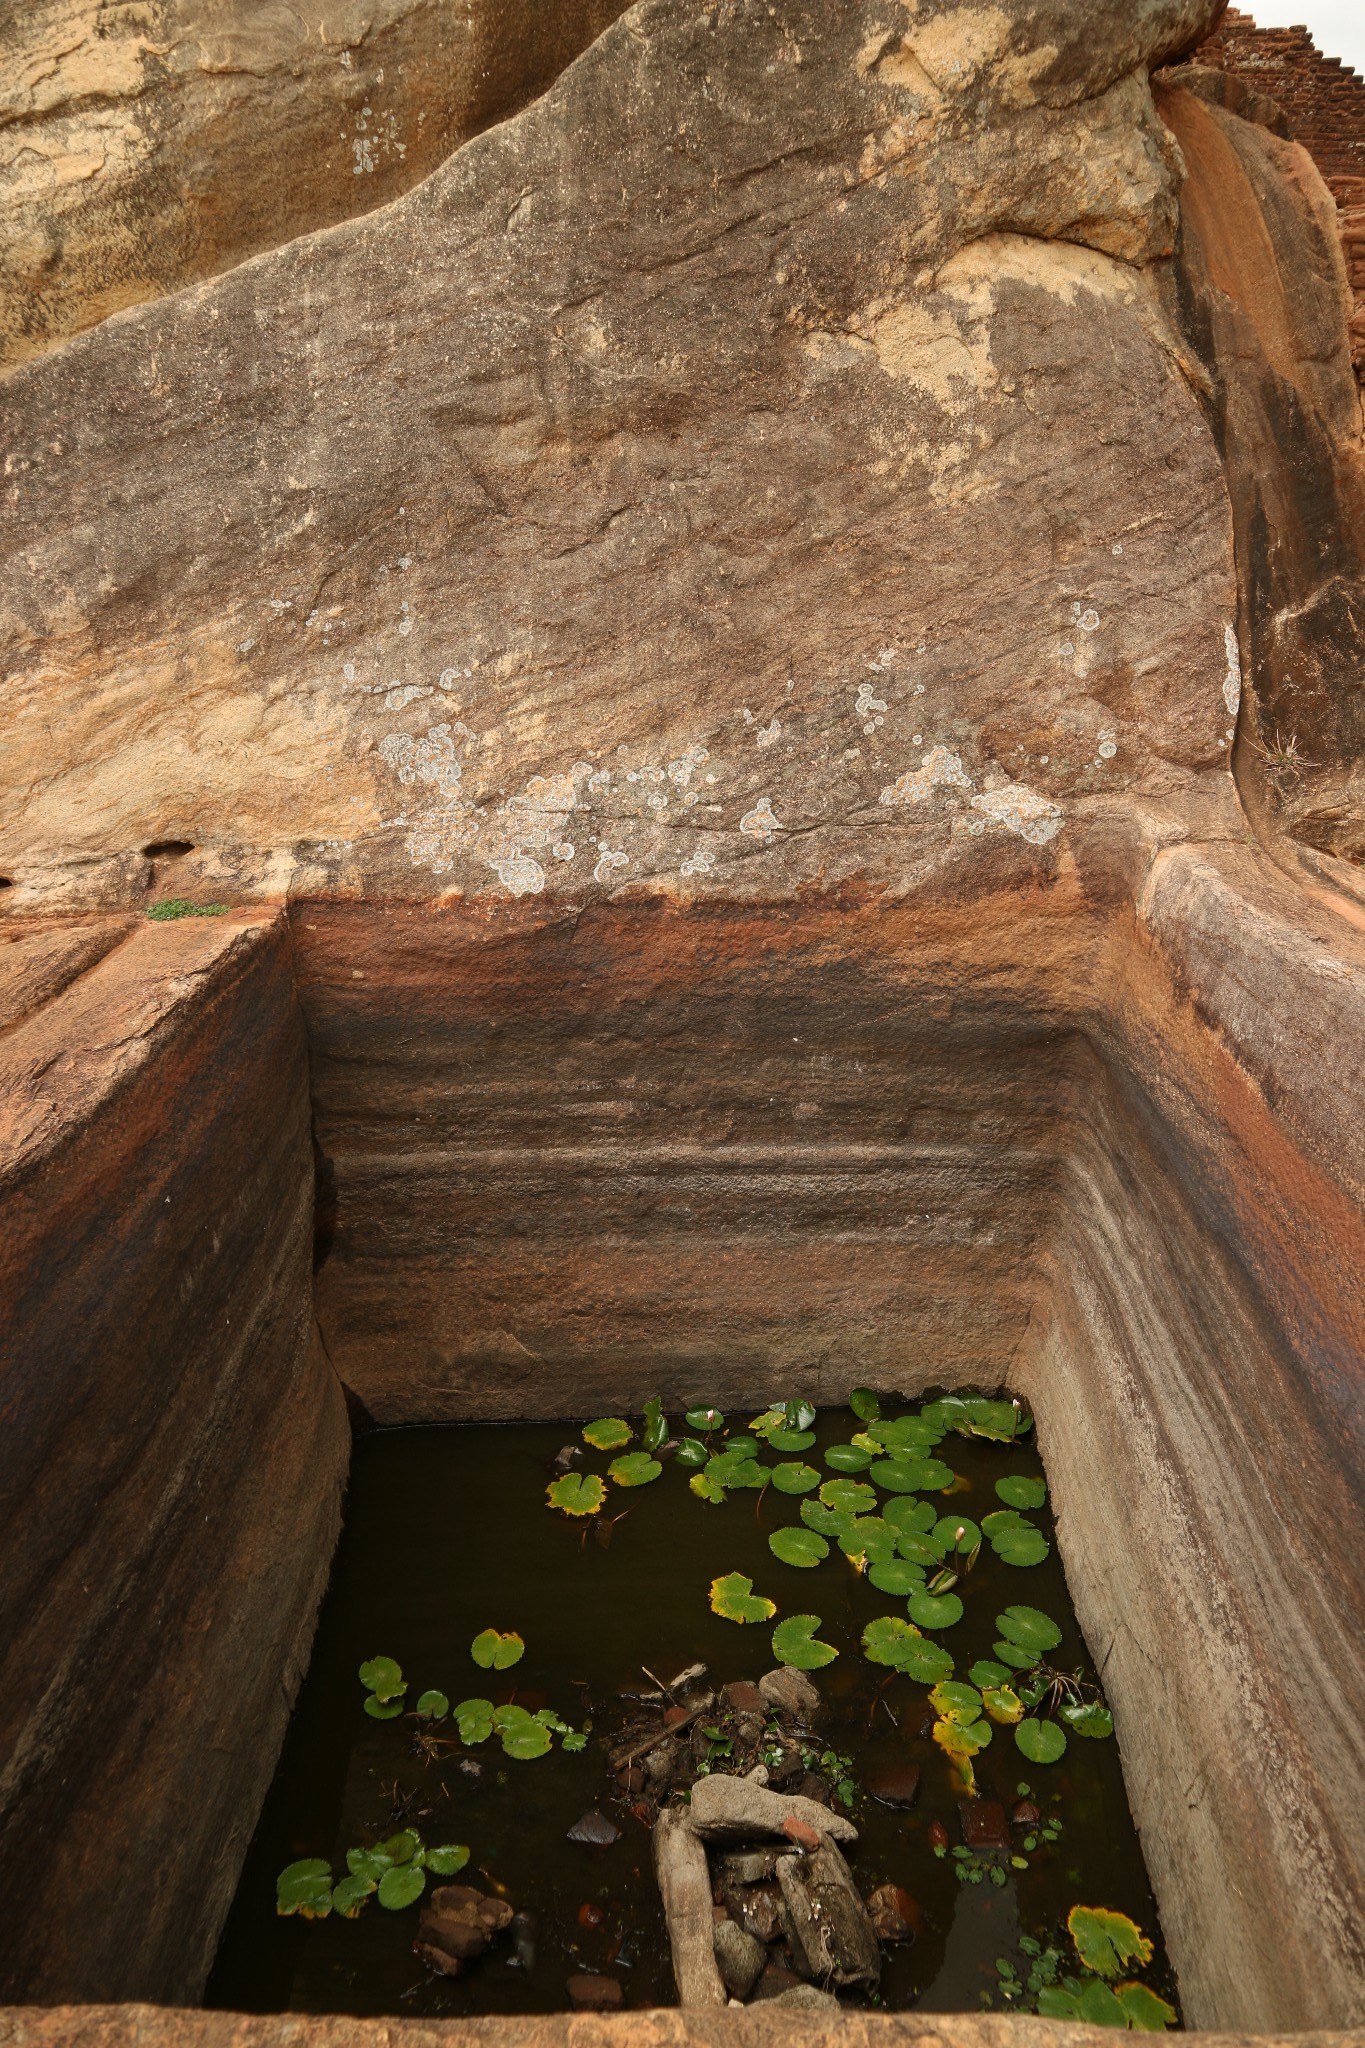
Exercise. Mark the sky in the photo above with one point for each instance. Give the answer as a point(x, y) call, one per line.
point(1336, 26)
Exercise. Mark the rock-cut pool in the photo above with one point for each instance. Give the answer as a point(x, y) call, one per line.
point(513, 1650)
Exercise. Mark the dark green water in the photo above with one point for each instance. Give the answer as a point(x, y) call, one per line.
point(447, 1533)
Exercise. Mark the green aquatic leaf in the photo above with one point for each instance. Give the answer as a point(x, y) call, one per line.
point(847, 1458)
point(798, 1546)
point(706, 1488)
point(908, 1436)
point(432, 1706)
point(1092, 2003)
point(574, 1740)
point(1042, 1742)
point(350, 1895)
point(889, 1640)
point(999, 1421)
point(791, 1439)
point(958, 1534)
point(922, 1550)
point(959, 1739)
point(304, 1888)
point(1089, 1718)
point(402, 1886)
point(774, 1417)
point(1017, 1491)
point(825, 1521)
point(734, 1599)
point(798, 1415)
point(954, 1701)
point(655, 1430)
point(383, 1678)
point(1021, 1547)
point(609, 1434)
point(368, 1864)
point(1003, 1704)
point(1107, 1942)
point(848, 1496)
point(493, 1651)
point(904, 1475)
point(1030, 1628)
point(1146, 2013)
point(474, 1719)
point(864, 1404)
point(914, 1517)
point(447, 1860)
point(736, 1467)
point(523, 1737)
point(1000, 1519)
point(404, 1847)
point(867, 1536)
point(1020, 1660)
point(895, 1575)
point(704, 1420)
point(794, 1643)
point(382, 1710)
point(984, 1673)
point(934, 1610)
point(577, 1493)
point(794, 1478)
point(691, 1454)
point(637, 1468)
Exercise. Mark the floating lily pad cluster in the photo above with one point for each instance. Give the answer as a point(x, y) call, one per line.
point(1107, 1945)
point(394, 1870)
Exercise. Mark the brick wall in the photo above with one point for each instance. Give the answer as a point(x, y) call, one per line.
point(1324, 103)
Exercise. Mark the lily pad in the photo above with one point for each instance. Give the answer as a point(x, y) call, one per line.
point(794, 1643)
point(867, 1536)
point(1019, 1491)
point(864, 1404)
point(1011, 1654)
point(382, 1710)
point(1090, 2002)
point(448, 1860)
point(957, 1533)
point(404, 1847)
point(798, 1546)
point(934, 1610)
point(1003, 1704)
point(889, 1640)
point(493, 1651)
point(577, 1493)
point(1107, 1942)
point(1090, 1719)
point(1022, 1547)
point(918, 1516)
point(368, 1864)
point(305, 1888)
point(1042, 1742)
point(904, 1475)
point(962, 1738)
point(707, 1488)
point(691, 1454)
point(432, 1706)
point(798, 1415)
point(791, 1439)
point(917, 1549)
point(895, 1575)
point(384, 1678)
point(655, 1430)
point(523, 1737)
point(774, 1417)
point(609, 1434)
point(848, 1496)
point(736, 1467)
point(984, 1673)
point(734, 1599)
point(794, 1478)
point(1030, 1628)
point(825, 1521)
point(1147, 2014)
point(1000, 1519)
point(847, 1458)
point(704, 1420)
point(350, 1895)
point(952, 1700)
point(402, 1886)
point(637, 1468)
point(474, 1719)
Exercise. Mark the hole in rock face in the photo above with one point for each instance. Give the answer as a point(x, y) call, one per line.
point(167, 849)
point(6, 881)
point(934, 1549)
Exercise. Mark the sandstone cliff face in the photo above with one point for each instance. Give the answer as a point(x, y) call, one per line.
point(147, 144)
point(764, 460)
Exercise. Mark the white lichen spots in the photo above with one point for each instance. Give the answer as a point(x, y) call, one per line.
point(867, 702)
point(1117, 548)
point(599, 782)
point(405, 626)
point(563, 849)
point(348, 670)
point(1108, 746)
point(518, 873)
point(699, 863)
point(1086, 617)
point(400, 695)
point(1232, 680)
point(431, 759)
point(450, 676)
point(657, 803)
point(939, 769)
point(681, 771)
point(918, 740)
point(281, 604)
point(759, 823)
point(245, 646)
point(1067, 649)
point(376, 137)
point(768, 734)
point(1020, 810)
point(405, 562)
point(609, 858)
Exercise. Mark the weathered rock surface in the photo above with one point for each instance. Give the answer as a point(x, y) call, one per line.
point(685, 1887)
point(738, 1809)
point(792, 1693)
point(740, 1956)
point(174, 1443)
point(787, 555)
point(829, 1919)
point(144, 147)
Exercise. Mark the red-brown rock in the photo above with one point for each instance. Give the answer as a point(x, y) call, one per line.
point(593, 1993)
